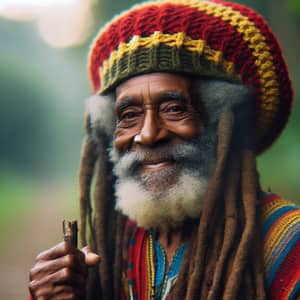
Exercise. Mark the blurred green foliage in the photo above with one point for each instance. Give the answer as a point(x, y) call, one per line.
point(295, 5)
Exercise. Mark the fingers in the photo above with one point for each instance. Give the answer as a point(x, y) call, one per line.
point(59, 250)
point(63, 284)
point(57, 292)
point(62, 276)
point(59, 273)
point(68, 261)
point(91, 258)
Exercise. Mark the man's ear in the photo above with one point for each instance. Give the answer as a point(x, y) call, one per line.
point(100, 111)
point(219, 95)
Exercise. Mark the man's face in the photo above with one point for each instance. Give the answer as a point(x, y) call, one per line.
point(158, 107)
point(164, 168)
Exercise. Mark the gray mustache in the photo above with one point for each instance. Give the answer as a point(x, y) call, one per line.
point(166, 152)
point(185, 153)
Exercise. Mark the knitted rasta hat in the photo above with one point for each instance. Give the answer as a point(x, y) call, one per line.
point(193, 37)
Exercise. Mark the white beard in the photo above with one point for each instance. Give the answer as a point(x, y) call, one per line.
point(151, 210)
point(167, 197)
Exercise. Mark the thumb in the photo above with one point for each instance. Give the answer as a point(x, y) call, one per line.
point(91, 258)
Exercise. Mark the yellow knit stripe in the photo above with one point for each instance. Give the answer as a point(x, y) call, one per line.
point(172, 40)
point(272, 239)
point(274, 205)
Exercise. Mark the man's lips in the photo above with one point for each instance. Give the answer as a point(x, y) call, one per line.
point(156, 165)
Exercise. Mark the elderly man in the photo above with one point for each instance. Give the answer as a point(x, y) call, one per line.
point(187, 93)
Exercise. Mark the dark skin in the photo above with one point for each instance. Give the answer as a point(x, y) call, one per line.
point(159, 108)
point(60, 272)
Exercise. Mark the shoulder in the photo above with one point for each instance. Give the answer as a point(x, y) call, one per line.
point(281, 235)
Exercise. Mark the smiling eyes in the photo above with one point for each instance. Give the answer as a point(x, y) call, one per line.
point(128, 115)
point(133, 112)
point(170, 111)
point(175, 108)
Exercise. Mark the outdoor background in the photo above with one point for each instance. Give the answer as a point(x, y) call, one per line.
point(43, 84)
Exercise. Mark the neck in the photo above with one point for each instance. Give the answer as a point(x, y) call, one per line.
point(170, 239)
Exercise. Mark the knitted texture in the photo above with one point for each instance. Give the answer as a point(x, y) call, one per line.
point(202, 38)
point(281, 231)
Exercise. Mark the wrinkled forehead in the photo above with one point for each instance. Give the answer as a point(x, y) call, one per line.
point(154, 85)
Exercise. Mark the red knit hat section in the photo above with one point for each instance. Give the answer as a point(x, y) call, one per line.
point(205, 38)
point(286, 95)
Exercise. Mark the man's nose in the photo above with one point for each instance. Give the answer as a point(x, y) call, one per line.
point(152, 130)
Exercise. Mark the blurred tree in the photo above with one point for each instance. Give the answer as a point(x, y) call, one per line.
point(108, 10)
point(23, 127)
point(294, 5)
point(259, 6)
point(42, 92)
point(285, 23)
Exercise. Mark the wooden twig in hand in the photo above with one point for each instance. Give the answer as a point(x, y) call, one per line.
point(70, 230)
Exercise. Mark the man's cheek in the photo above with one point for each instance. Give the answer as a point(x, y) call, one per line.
point(123, 139)
point(186, 129)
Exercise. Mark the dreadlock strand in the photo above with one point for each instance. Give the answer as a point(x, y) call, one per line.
point(249, 188)
point(179, 290)
point(224, 136)
point(118, 256)
point(258, 267)
point(246, 290)
point(101, 229)
point(86, 169)
point(230, 227)
point(181, 282)
point(213, 254)
point(93, 289)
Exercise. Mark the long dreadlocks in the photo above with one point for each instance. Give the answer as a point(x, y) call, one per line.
point(220, 262)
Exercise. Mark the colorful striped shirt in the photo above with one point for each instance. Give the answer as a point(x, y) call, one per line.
point(281, 233)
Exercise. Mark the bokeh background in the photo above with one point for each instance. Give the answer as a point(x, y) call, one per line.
point(43, 84)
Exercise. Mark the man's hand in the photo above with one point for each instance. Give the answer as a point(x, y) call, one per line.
point(61, 273)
